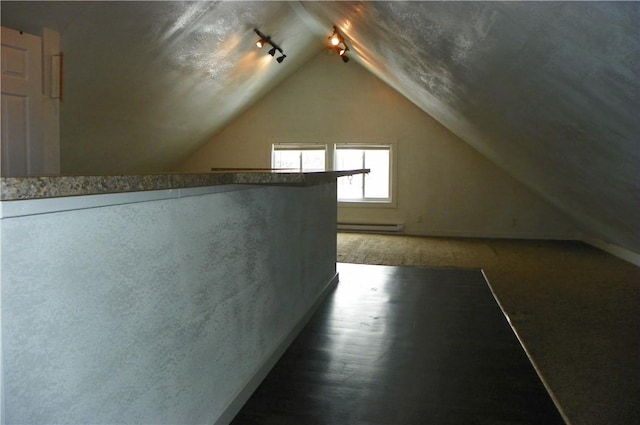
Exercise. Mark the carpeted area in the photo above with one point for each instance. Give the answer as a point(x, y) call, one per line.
point(576, 309)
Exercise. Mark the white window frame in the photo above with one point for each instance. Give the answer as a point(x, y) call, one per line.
point(369, 202)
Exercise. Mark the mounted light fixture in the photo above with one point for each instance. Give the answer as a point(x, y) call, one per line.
point(336, 40)
point(265, 39)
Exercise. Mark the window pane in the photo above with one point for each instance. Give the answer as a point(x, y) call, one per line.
point(348, 159)
point(313, 160)
point(286, 159)
point(350, 187)
point(376, 183)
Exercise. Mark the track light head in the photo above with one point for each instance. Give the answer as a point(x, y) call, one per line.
point(335, 38)
point(272, 52)
point(264, 39)
point(281, 58)
point(345, 59)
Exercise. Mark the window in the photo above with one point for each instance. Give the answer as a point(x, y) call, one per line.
point(368, 189)
point(372, 187)
point(302, 157)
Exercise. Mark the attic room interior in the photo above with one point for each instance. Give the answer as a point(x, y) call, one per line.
point(155, 267)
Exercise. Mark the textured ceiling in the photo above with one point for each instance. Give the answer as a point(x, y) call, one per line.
point(549, 91)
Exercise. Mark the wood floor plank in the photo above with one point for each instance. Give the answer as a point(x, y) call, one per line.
point(404, 345)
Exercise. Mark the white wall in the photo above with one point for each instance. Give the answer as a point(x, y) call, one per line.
point(158, 309)
point(444, 187)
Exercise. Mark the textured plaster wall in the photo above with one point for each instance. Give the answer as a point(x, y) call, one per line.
point(156, 312)
point(444, 187)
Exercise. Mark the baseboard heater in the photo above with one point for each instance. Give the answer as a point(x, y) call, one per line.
point(371, 227)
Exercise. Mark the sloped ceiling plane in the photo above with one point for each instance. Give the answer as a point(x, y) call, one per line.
point(548, 91)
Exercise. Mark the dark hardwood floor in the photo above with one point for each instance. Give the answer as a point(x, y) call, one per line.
point(404, 345)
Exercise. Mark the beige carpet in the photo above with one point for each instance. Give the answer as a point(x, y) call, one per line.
point(576, 309)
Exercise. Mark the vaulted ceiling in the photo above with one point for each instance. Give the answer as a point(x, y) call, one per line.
point(548, 91)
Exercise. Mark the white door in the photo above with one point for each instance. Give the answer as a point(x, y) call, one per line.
point(22, 101)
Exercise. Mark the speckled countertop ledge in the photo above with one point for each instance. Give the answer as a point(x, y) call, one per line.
point(22, 188)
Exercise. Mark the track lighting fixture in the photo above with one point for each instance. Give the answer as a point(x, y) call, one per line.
point(265, 39)
point(336, 40)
